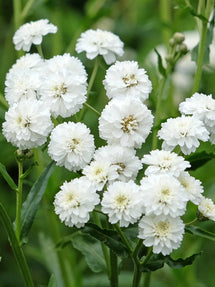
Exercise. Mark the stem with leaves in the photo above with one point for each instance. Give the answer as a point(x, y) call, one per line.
point(19, 199)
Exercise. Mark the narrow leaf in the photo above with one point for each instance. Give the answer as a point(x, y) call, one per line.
point(160, 64)
point(52, 281)
point(108, 237)
point(195, 230)
point(33, 199)
point(17, 250)
point(7, 177)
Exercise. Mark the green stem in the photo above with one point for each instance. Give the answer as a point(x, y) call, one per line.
point(17, 13)
point(165, 15)
point(123, 237)
point(137, 276)
point(149, 254)
point(19, 200)
point(147, 279)
point(26, 8)
point(93, 109)
point(3, 101)
point(93, 76)
point(40, 51)
point(17, 250)
point(113, 269)
point(192, 221)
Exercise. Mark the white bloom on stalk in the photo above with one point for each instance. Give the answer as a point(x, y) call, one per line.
point(122, 202)
point(126, 122)
point(163, 195)
point(64, 85)
point(100, 172)
point(164, 162)
point(71, 145)
point(127, 164)
point(192, 186)
point(75, 200)
point(32, 33)
point(163, 233)
point(126, 79)
point(183, 131)
point(27, 124)
point(207, 208)
point(99, 42)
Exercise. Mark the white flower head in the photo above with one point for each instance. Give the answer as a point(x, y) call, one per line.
point(64, 85)
point(75, 200)
point(99, 42)
point(125, 161)
point(192, 186)
point(100, 172)
point(207, 208)
point(32, 33)
point(27, 124)
point(163, 195)
point(127, 79)
point(164, 162)
point(122, 202)
point(183, 131)
point(163, 233)
point(71, 145)
point(126, 122)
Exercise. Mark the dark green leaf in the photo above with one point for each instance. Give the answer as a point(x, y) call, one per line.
point(52, 281)
point(91, 249)
point(156, 262)
point(160, 64)
point(33, 199)
point(7, 177)
point(199, 159)
point(195, 230)
point(180, 263)
point(108, 237)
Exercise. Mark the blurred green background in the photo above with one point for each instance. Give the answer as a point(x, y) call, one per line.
point(142, 25)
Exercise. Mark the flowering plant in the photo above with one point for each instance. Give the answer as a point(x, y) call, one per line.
point(127, 194)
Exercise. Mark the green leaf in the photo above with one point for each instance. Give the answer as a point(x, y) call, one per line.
point(17, 250)
point(91, 249)
point(199, 159)
point(180, 263)
point(52, 281)
point(7, 177)
point(27, 172)
point(160, 64)
point(33, 199)
point(195, 230)
point(108, 237)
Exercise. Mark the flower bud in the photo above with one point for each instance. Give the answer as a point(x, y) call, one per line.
point(178, 37)
point(183, 48)
point(172, 42)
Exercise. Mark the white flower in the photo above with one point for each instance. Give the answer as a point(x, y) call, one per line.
point(27, 124)
point(99, 42)
point(126, 79)
point(163, 233)
point(207, 208)
point(71, 145)
point(32, 33)
point(161, 161)
point(126, 122)
point(192, 186)
point(127, 164)
point(99, 172)
point(122, 202)
point(64, 85)
point(183, 131)
point(75, 200)
point(163, 195)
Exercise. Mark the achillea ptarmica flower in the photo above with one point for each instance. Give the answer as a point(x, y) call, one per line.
point(71, 145)
point(163, 195)
point(127, 164)
point(127, 79)
point(123, 203)
point(27, 124)
point(32, 33)
point(64, 85)
point(75, 200)
point(207, 208)
point(185, 131)
point(164, 162)
point(126, 122)
point(163, 233)
point(99, 42)
point(192, 186)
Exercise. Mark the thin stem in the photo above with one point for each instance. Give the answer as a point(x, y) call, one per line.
point(93, 76)
point(40, 51)
point(147, 279)
point(113, 269)
point(192, 221)
point(166, 18)
point(3, 101)
point(137, 276)
point(123, 237)
point(26, 8)
point(92, 108)
point(149, 254)
point(17, 13)
point(19, 200)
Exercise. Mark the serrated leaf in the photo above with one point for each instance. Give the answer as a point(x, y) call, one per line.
point(7, 177)
point(160, 64)
point(195, 230)
point(33, 199)
point(91, 249)
point(108, 237)
point(199, 159)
